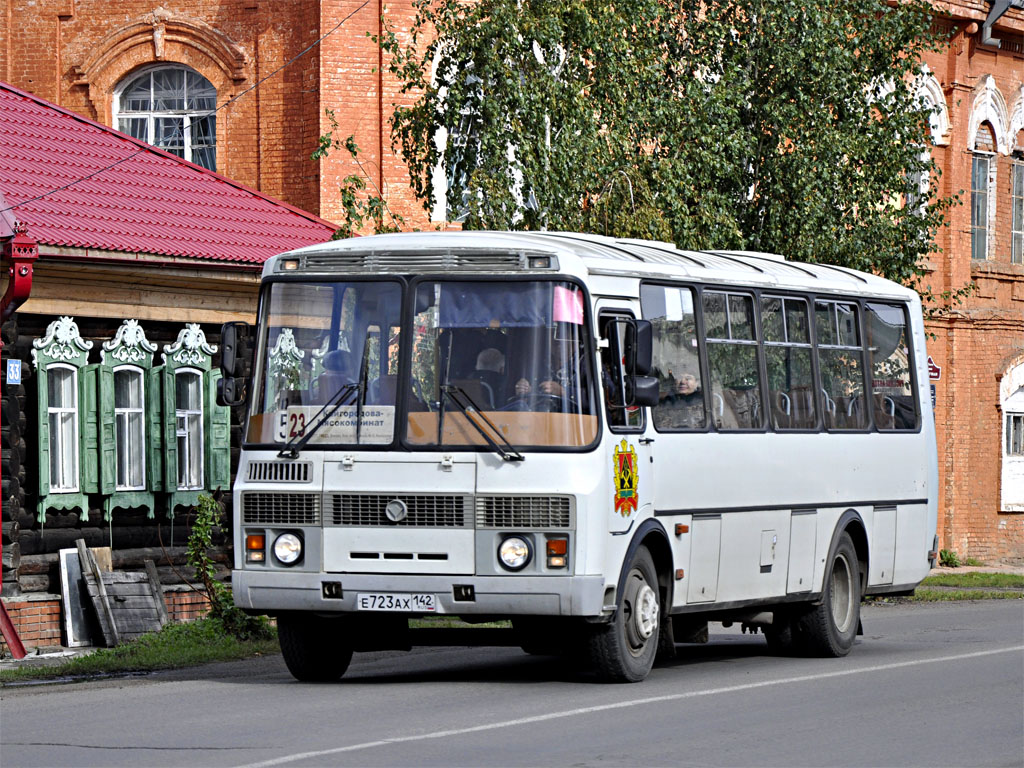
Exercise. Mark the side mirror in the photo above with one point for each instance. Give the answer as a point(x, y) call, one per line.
point(644, 349)
point(233, 340)
point(230, 391)
point(645, 390)
point(638, 346)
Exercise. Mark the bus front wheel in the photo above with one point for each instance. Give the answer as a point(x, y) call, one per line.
point(623, 650)
point(829, 628)
point(313, 647)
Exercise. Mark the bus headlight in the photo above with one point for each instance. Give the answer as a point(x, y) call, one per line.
point(288, 548)
point(514, 553)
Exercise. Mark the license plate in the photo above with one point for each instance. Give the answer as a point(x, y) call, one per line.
point(384, 601)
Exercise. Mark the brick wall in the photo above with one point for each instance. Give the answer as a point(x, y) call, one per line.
point(37, 620)
point(39, 623)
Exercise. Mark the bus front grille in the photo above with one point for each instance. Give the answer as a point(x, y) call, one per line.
point(259, 508)
point(524, 512)
point(421, 511)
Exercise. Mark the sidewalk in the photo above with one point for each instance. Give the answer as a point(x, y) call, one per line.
point(45, 656)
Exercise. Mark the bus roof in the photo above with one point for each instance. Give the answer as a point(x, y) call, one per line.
point(576, 253)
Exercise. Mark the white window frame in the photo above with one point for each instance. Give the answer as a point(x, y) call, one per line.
point(1011, 408)
point(1017, 210)
point(151, 115)
point(183, 414)
point(121, 415)
point(55, 442)
point(1014, 434)
point(990, 209)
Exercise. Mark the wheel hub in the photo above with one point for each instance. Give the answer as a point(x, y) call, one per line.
point(645, 615)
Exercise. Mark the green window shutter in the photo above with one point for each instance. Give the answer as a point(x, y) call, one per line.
point(218, 437)
point(107, 431)
point(88, 419)
point(154, 430)
point(169, 431)
point(43, 410)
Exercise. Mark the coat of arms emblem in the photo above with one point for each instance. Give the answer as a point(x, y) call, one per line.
point(626, 479)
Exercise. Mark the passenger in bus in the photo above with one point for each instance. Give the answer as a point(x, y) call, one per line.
point(683, 406)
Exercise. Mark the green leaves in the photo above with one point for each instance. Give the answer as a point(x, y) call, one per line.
point(780, 126)
point(235, 622)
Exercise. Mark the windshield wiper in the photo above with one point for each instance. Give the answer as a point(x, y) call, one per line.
point(296, 444)
point(470, 409)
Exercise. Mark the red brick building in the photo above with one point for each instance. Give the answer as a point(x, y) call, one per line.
point(95, 57)
point(977, 86)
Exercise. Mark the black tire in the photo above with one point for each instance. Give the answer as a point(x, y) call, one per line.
point(829, 629)
point(547, 635)
point(623, 650)
point(314, 648)
point(779, 635)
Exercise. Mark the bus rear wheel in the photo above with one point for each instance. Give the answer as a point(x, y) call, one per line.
point(829, 628)
point(314, 648)
point(623, 650)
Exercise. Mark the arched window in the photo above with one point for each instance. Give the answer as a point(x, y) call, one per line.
point(1011, 391)
point(983, 179)
point(170, 107)
point(1017, 208)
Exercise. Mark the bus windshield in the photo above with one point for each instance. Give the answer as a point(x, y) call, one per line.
point(514, 351)
point(327, 365)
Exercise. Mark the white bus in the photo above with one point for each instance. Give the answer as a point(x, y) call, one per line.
point(606, 442)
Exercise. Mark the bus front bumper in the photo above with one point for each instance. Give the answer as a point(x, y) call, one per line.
point(492, 595)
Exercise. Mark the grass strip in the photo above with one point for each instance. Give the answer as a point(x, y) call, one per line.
point(975, 579)
point(925, 595)
point(176, 645)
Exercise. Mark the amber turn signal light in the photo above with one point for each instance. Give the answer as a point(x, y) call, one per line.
point(557, 550)
point(557, 547)
point(255, 547)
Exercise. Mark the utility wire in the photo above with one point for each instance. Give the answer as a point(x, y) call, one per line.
point(233, 99)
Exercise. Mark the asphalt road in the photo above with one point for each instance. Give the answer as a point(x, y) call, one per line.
point(929, 685)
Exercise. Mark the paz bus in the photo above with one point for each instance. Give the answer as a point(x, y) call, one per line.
point(607, 443)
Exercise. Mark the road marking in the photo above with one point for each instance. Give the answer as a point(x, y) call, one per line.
point(621, 705)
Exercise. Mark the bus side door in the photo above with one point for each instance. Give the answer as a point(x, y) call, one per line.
point(627, 444)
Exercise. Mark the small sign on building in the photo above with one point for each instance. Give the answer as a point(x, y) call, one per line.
point(14, 371)
point(934, 371)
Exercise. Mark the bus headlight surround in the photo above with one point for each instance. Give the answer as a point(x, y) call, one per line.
point(515, 553)
point(288, 548)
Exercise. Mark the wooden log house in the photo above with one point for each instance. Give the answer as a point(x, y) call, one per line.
point(110, 425)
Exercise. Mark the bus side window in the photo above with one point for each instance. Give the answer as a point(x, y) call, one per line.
point(613, 376)
point(892, 374)
point(787, 352)
point(841, 365)
point(732, 361)
point(681, 403)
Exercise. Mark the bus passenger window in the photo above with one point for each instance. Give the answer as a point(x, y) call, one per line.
point(732, 361)
point(841, 365)
point(681, 403)
point(787, 351)
point(892, 379)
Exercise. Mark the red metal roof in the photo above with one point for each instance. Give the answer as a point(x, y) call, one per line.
point(152, 202)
